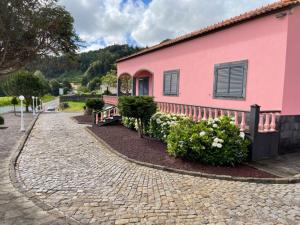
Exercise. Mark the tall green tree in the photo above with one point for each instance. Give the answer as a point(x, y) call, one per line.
point(31, 29)
point(110, 80)
point(54, 87)
point(94, 84)
point(24, 83)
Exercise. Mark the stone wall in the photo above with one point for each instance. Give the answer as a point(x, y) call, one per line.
point(289, 134)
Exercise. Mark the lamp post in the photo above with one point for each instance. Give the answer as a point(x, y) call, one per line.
point(33, 108)
point(22, 117)
point(36, 105)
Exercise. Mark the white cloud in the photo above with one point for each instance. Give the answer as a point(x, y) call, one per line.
point(164, 19)
point(106, 20)
point(92, 47)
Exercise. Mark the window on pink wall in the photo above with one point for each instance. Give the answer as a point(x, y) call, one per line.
point(171, 83)
point(230, 80)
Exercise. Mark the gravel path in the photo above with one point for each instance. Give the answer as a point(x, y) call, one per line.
point(67, 168)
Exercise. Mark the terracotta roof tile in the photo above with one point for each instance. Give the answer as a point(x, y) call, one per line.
point(267, 9)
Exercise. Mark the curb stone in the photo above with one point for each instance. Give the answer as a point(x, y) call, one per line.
point(286, 180)
point(18, 184)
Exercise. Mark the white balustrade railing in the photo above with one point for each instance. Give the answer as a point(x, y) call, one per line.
point(267, 123)
point(106, 113)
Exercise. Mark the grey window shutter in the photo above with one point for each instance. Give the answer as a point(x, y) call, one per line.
point(230, 79)
point(174, 83)
point(236, 85)
point(222, 78)
point(167, 83)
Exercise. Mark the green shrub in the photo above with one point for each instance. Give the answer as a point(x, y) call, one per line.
point(138, 107)
point(95, 104)
point(160, 124)
point(129, 122)
point(64, 105)
point(14, 101)
point(1, 120)
point(216, 142)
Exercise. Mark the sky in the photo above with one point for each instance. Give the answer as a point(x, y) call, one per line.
point(100, 23)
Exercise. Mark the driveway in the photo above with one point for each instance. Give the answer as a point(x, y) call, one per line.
point(65, 167)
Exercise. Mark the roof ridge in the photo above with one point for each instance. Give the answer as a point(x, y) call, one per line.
point(221, 24)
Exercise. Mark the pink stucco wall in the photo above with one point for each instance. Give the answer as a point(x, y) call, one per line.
point(261, 41)
point(291, 101)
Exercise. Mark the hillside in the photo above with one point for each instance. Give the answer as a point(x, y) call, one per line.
point(84, 66)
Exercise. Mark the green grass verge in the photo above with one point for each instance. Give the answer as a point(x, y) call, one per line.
point(75, 107)
point(4, 101)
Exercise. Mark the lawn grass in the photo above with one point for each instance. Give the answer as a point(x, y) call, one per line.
point(75, 106)
point(4, 101)
point(48, 98)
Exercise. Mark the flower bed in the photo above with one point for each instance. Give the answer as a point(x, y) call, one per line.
point(153, 151)
point(214, 141)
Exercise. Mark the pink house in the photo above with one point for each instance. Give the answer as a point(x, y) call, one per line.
point(227, 67)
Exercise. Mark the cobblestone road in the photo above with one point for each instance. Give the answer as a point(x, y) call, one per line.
point(67, 168)
point(15, 208)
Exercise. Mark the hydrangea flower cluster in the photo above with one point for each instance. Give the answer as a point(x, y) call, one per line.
point(160, 124)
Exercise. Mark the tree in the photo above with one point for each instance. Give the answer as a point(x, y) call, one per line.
point(54, 87)
point(33, 28)
point(139, 107)
point(94, 84)
point(66, 86)
point(126, 84)
point(14, 101)
point(110, 80)
point(43, 80)
point(95, 104)
point(24, 83)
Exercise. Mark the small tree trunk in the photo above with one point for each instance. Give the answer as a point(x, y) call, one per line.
point(27, 109)
point(15, 110)
point(140, 128)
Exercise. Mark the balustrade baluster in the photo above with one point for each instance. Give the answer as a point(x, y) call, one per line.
point(195, 114)
point(222, 112)
point(210, 113)
point(228, 113)
point(243, 122)
point(236, 118)
point(97, 118)
point(101, 116)
point(267, 123)
point(199, 114)
point(216, 113)
point(177, 109)
point(261, 123)
point(204, 114)
point(190, 112)
point(273, 122)
point(186, 110)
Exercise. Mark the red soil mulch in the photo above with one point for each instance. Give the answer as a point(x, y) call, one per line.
point(150, 150)
point(84, 119)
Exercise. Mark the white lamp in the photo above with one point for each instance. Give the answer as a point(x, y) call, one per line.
point(22, 117)
point(33, 108)
point(36, 105)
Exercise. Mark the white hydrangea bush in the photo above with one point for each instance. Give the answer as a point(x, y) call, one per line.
point(214, 141)
point(160, 124)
